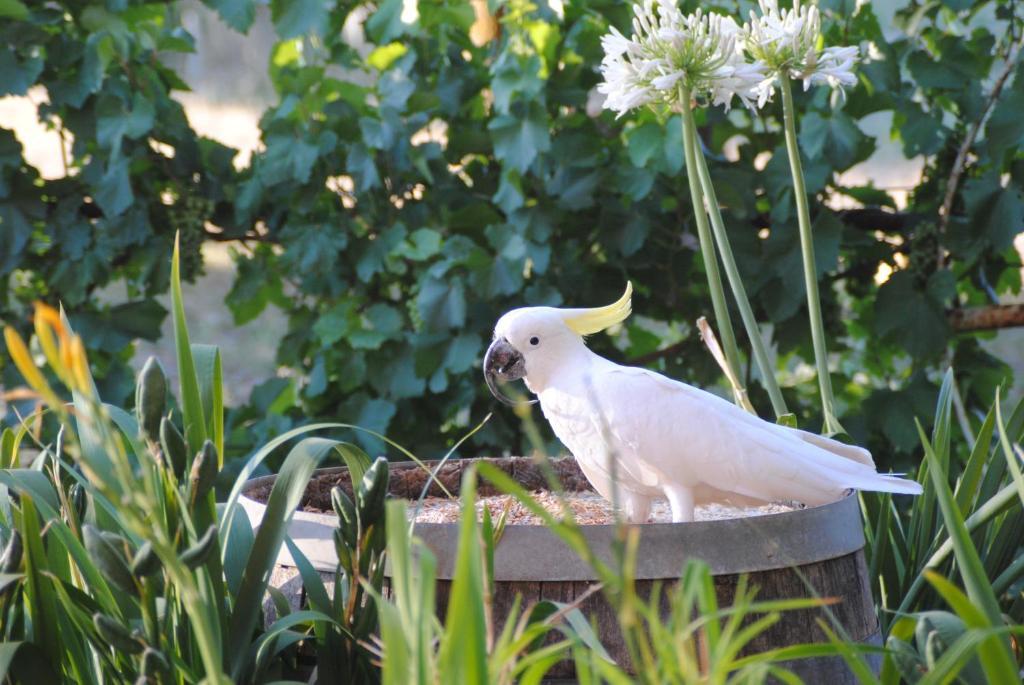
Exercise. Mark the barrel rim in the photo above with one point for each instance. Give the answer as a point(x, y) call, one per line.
point(534, 553)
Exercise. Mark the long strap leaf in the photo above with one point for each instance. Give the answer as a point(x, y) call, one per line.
point(284, 498)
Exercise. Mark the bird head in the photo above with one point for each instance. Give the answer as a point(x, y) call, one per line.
point(531, 341)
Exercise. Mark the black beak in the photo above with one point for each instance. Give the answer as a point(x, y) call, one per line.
point(503, 362)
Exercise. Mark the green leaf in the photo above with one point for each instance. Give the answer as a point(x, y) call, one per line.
point(1012, 458)
point(114, 190)
point(13, 9)
point(516, 76)
point(422, 244)
point(995, 212)
point(442, 304)
point(837, 137)
point(238, 14)
point(922, 132)
point(361, 165)
point(191, 398)
point(116, 119)
point(284, 498)
point(25, 662)
point(17, 76)
point(982, 610)
point(211, 393)
point(33, 483)
point(463, 650)
point(1005, 129)
point(910, 317)
point(518, 141)
point(265, 643)
point(384, 56)
point(40, 599)
point(643, 142)
point(386, 23)
point(294, 18)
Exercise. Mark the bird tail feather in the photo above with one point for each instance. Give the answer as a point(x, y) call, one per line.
point(885, 483)
point(851, 452)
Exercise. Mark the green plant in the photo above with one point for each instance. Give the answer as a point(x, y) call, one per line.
point(904, 545)
point(341, 648)
point(397, 217)
point(468, 648)
point(115, 522)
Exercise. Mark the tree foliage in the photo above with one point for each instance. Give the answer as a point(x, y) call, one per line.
point(409, 193)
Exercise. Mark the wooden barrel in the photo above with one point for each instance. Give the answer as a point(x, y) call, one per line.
point(816, 551)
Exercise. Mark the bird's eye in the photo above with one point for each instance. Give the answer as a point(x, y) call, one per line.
point(535, 341)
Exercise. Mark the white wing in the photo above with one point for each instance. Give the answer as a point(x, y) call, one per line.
point(690, 437)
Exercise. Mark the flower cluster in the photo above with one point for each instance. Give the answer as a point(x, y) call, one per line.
point(670, 52)
point(710, 56)
point(786, 42)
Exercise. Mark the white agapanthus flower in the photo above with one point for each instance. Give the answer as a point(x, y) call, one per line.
point(670, 51)
point(787, 40)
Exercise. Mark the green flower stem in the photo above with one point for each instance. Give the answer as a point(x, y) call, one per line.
point(764, 364)
point(707, 248)
point(810, 269)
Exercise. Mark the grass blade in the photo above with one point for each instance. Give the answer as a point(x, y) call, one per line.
point(463, 653)
point(1012, 461)
point(967, 487)
point(997, 658)
point(211, 393)
point(284, 498)
point(191, 400)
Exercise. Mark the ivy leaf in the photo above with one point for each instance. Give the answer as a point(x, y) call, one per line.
point(1005, 127)
point(516, 76)
point(517, 142)
point(910, 317)
point(16, 232)
point(361, 166)
point(111, 330)
point(379, 323)
point(335, 323)
point(633, 234)
point(114, 191)
point(372, 414)
point(574, 188)
point(386, 23)
point(256, 285)
point(442, 305)
point(922, 132)
point(377, 253)
point(633, 182)
point(838, 137)
point(295, 18)
point(16, 77)
point(422, 244)
point(510, 192)
point(114, 121)
point(995, 213)
point(644, 142)
point(287, 159)
point(955, 66)
point(238, 14)
point(463, 352)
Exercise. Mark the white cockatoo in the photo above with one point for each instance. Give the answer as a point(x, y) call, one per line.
point(668, 439)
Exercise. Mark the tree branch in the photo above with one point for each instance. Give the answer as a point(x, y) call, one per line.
point(960, 163)
point(968, 320)
point(987, 318)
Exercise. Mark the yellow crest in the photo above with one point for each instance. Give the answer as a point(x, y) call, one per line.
point(596, 319)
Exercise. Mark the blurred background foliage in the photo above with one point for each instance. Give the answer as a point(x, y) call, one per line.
point(423, 167)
